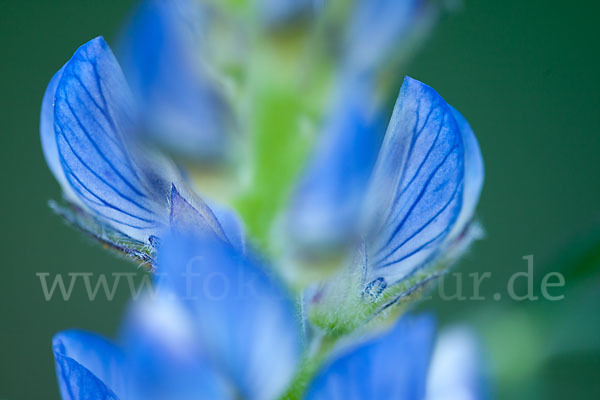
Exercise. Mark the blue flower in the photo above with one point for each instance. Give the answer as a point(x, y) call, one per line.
point(425, 185)
point(166, 57)
point(327, 198)
point(221, 328)
point(421, 197)
point(323, 208)
point(390, 366)
point(118, 191)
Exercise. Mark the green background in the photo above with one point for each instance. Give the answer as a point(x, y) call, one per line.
point(524, 73)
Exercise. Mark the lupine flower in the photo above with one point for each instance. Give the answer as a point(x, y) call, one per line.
point(117, 191)
point(328, 195)
point(221, 328)
point(417, 211)
point(125, 196)
point(322, 211)
point(216, 314)
point(398, 207)
point(166, 55)
point(389, 366)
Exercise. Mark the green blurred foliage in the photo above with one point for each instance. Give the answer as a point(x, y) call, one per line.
point(524, 73)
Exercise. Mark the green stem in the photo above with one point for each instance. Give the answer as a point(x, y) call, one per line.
point(308, 368)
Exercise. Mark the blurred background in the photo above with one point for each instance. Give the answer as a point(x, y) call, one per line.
point(524, 73)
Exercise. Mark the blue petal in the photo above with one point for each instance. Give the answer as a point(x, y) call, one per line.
point(232, 226)
point(245, 317)
point(329, 195)
point(392, 366)
point(88, 366)
point(417, 186)
point(78, 383)
point(474, 173)
point(48, 138)
point(184, 108)
point(93, 115)
point(377, 31)
point(165, 360)
point(193, 219)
